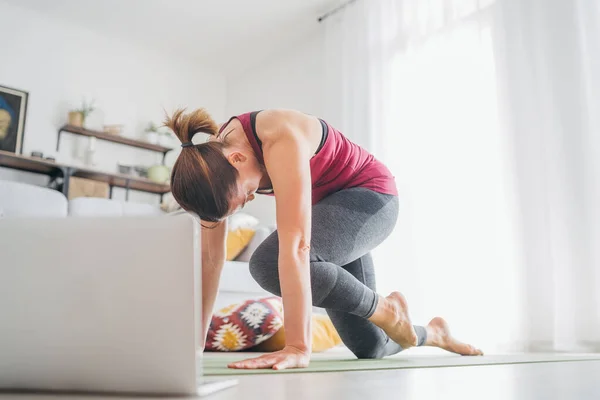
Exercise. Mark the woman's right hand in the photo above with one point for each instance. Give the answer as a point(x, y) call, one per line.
point(288, 358)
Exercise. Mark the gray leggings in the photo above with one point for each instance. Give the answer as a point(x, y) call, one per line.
point(346, 226)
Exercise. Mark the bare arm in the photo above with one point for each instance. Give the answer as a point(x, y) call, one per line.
point(213, 259)
point(287, 160)
point(289, 139)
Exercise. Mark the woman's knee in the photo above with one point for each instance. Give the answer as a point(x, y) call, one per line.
point(368, 352)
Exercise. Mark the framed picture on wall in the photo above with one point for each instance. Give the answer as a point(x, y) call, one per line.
point(13, 110)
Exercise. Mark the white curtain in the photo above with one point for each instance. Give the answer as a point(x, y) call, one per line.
point(549, 59)
point(484, 112)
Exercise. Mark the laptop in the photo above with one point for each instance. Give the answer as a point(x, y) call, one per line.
point(102, 305)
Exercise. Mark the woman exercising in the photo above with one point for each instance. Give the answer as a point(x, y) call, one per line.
point(334, 202)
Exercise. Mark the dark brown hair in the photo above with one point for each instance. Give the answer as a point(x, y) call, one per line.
point(202, 181)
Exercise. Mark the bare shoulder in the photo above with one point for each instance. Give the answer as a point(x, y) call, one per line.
point(275, 124)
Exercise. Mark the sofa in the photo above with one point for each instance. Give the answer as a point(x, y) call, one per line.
point(20, 200)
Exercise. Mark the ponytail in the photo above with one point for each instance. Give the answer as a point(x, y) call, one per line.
point(202, 181)
point(185, 126)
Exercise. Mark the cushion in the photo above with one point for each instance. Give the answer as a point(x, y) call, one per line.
point(324, 337)
point(25, 200)
point(169, 204)
point(259, 236)
point(133, 209)
point(237, 241)
point(242, 326)
point(241, 220)
point(324, 334)
point(97, 207)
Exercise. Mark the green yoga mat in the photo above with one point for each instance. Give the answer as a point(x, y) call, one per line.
point(215, 364)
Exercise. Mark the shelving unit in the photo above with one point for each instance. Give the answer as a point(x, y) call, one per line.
point(57, 170)
point(65, 172)
point(140, 144)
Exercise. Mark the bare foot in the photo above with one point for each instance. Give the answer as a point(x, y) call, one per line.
point(392, 316)
point(438, 335)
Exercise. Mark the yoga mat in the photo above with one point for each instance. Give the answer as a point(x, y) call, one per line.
point(215, 364)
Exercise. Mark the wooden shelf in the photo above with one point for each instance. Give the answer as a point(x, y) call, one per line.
point(54, 169)
point(112, 138)
point(29, 164)
point(124, 181)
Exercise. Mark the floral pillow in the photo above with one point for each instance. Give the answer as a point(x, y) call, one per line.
point(242, 326)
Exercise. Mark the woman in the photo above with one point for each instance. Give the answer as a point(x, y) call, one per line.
point(334, 202)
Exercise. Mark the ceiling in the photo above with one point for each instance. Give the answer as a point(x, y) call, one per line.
point(228, 34)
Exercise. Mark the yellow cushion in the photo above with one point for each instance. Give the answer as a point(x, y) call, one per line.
point(237, 241)
point(324, 337)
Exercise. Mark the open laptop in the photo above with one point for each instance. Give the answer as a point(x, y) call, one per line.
point(106, 305)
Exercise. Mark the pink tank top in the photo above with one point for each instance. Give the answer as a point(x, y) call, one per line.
point(338, 164)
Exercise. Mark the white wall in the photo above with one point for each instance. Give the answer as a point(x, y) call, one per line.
point(292, 78)
point(58, 64)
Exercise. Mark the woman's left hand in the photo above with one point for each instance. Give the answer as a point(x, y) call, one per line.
point(289, 357)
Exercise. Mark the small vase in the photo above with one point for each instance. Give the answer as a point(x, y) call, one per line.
point(90, 153)
point(76, 119)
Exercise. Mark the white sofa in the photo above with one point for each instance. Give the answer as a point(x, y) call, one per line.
point(88, 206)
point(23, 200)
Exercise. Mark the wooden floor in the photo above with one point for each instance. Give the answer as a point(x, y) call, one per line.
point(553, 381)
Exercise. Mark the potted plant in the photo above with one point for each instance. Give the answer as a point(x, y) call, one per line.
point(152, 133)
point(164, 138)
point(77, 117)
